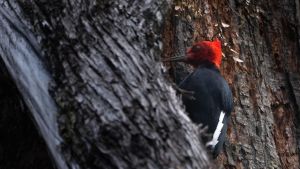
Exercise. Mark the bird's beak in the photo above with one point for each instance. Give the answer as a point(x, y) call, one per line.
point(179, 58)
point(175, 59)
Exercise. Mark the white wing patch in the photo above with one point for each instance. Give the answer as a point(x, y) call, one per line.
point(217, 132)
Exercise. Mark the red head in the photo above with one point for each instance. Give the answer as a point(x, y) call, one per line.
point(205, 51)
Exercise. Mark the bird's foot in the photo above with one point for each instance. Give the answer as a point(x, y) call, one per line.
point(185, 93)
point(205, 136)
point(202, 129)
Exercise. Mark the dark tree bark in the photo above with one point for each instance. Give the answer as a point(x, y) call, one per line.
point(260, 42)
point(110, 105)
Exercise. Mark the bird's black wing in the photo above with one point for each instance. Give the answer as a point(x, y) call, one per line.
point(212, 104)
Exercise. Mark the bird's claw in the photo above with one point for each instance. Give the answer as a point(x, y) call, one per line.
point(204, 135)
point(185, 93)
point(202, 129)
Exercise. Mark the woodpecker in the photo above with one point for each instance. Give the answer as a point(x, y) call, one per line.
point(212, 103)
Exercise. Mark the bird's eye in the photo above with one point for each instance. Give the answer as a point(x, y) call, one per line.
point(196, 48)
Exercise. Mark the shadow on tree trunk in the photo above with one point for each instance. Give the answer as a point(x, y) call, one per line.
point(21, 146)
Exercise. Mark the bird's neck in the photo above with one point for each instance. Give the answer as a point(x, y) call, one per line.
point(207, 64)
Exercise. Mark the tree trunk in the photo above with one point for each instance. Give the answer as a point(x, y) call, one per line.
point(115, 109)
point(110, 105)
point(260, 41)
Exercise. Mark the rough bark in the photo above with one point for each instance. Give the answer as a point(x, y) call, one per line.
point(260, 42)
point(115, 109)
